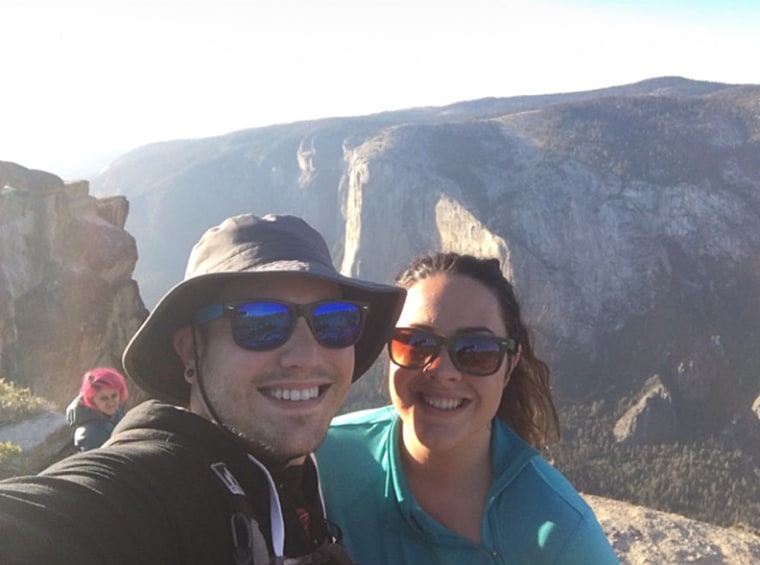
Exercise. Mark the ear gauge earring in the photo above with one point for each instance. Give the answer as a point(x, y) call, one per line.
point(189, 373)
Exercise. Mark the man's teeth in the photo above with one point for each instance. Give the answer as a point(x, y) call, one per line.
point(296, 395)
point(443, 403)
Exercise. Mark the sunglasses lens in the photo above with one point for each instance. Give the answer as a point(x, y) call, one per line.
point(412, 349)
point(337, 324)
point(259, 326)
point(472, 354)
point(477, 355)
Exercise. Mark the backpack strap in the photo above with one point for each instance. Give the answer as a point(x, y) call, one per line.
point(328, 554)
point(247, 537)
point(249, 544)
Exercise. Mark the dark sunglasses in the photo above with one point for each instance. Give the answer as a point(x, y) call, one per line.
point(475, 354)
point(261, 325)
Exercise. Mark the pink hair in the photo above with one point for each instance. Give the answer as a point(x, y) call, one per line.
point(99, 378)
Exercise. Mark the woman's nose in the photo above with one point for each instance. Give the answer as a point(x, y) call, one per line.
point(442, 367)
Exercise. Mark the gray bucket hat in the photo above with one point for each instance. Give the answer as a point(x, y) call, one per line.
point(249, 247)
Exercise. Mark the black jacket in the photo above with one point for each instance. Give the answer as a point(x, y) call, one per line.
point(91, 427)
point(150, 496)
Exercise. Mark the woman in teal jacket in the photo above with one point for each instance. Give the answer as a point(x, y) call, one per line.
point(450, 474)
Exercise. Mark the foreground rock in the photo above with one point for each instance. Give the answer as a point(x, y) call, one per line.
point(642, 536)
point(43, 438)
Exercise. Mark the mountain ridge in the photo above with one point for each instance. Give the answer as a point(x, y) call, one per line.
point(626, 217)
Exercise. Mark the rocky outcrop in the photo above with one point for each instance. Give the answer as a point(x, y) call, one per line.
point(43, 438)
point(642, 536)
point(651, 420)
point(67, 298)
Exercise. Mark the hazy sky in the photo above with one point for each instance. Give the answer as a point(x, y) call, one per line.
point(83, 78)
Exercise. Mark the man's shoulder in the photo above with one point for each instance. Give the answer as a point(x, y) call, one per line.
point(153, 420)
point(154, 428)
point(142, 456)
point(155, 414)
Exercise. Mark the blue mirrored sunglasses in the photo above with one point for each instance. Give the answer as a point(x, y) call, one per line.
point(262, 325)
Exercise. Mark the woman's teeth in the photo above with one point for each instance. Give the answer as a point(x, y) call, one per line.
point(443, 403)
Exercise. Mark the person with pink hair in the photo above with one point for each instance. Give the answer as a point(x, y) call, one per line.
point(97, 408)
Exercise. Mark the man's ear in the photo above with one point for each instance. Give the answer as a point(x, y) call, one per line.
point(184, 344)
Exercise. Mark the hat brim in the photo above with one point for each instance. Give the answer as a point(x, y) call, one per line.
point(152, 363)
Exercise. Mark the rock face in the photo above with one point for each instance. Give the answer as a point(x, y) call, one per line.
point(637, 254)
point(652, 420)
point(628, 219)
point(642, 536)
point(67, 298)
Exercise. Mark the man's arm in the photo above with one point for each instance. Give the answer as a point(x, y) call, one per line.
point(89, 509)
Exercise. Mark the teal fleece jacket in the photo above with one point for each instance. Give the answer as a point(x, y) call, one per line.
point(533, 515)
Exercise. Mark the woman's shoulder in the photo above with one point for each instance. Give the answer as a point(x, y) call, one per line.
point(358, 434)
point(352, 460)
point(549, 487)
point(575, 523)
point(367, 418)
point(518, 462)
point(541, 495)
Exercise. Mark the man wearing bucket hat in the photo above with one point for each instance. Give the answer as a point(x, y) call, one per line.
point(249, 357)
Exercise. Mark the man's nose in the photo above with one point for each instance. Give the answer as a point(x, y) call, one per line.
point(302, 347)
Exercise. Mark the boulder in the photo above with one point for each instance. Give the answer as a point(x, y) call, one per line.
point(68, 302)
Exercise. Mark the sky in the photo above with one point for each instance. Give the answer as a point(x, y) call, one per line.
point(84, 81)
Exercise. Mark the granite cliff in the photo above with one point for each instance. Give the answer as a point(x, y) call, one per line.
point(68, 301)
point(628, 219)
